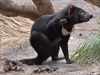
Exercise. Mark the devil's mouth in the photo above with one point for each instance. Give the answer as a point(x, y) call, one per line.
point(86, 20)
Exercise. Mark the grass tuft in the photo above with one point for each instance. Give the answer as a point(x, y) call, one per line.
point(88, 52)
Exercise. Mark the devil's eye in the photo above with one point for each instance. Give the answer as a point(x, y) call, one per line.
point(82, 13)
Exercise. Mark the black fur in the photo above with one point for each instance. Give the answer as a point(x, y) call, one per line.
point(46, 33)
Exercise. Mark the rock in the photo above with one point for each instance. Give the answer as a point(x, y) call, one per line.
point(8, 65)
point(45, 69)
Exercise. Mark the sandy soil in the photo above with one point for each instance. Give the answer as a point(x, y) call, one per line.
point(22, 49)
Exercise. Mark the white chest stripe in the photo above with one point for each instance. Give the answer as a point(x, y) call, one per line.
point(64, 31)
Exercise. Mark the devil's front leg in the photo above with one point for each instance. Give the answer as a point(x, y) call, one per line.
point(64, 46)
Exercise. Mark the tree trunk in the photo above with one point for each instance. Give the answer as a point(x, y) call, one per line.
point(28, 9)
point(94, 2)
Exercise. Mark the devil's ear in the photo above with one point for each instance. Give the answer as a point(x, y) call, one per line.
point(70, 9)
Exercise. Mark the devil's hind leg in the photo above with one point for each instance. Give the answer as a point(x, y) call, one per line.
point(42, 46)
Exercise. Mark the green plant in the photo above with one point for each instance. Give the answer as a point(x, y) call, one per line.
point(89, 51)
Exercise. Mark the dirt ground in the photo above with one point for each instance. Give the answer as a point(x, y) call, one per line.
point(19, 48)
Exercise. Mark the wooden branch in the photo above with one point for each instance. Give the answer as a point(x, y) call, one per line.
point(44, 6)
point(9, 8)
point(26, 8)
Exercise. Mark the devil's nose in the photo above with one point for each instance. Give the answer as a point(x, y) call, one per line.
point(91, 16)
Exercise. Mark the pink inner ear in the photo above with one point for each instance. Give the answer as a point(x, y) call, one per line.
point(70, 9)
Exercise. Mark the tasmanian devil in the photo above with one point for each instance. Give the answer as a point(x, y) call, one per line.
point(49, 32)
